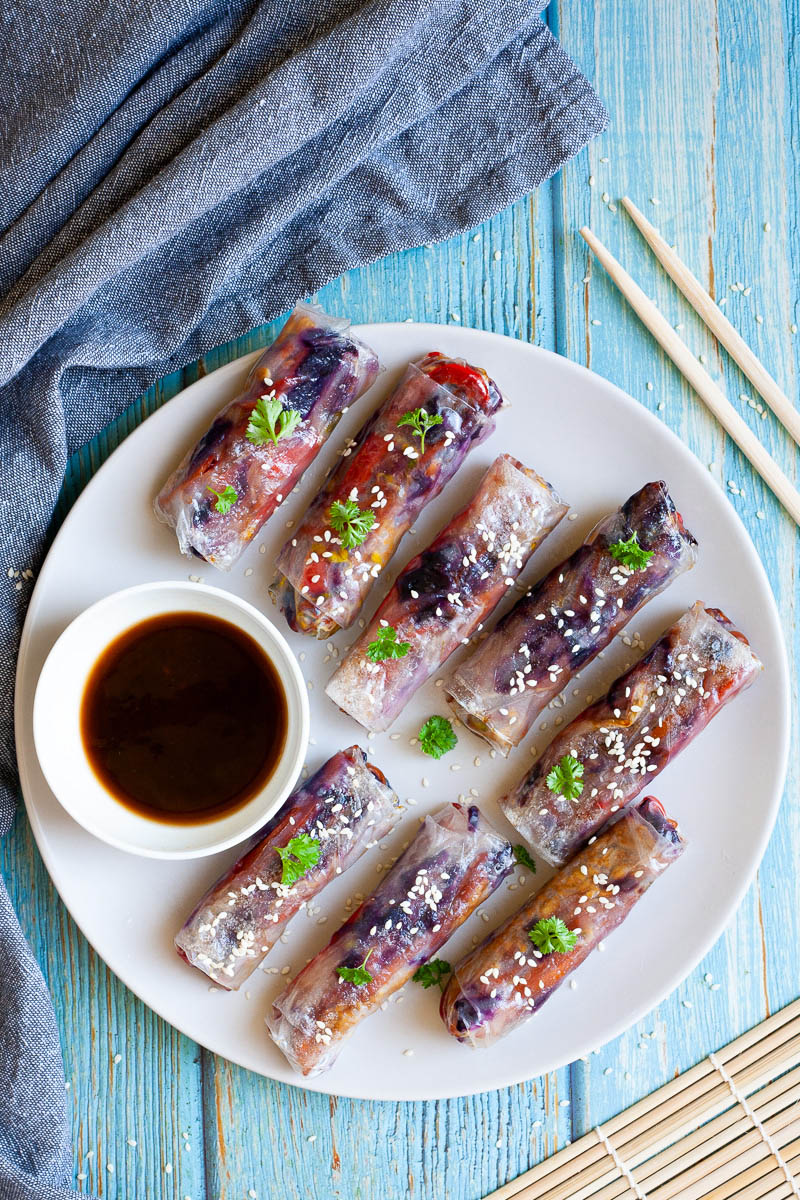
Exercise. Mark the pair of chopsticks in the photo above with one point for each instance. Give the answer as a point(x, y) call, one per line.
point(690, 368)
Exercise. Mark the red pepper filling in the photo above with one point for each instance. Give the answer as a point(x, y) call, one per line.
point(460, 375)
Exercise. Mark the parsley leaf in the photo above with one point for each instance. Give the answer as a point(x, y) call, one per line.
point(357, 975)
point(437, 737)
point(524, 859)
point(270, 421)
point(350, 522)
point(386, 645)
point(565, 778)
point(550, 935)
point(421, 421)
point(297, 857)
point(630, 553)
point(432, 972)
point(225, 499)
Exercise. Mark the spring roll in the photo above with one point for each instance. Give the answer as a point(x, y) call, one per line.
point(601, 761)
point(388, 475)
point(453, 863)
point(444, 594)
point(346, 807)
point(505, 980)
point(227, 486)
point(567, 618)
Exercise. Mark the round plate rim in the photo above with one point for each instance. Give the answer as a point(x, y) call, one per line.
point(711, 935)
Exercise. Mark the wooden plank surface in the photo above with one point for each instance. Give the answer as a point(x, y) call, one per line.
point(705, 136)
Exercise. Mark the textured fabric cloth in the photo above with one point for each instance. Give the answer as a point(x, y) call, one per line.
point(175, 172)
point(34, 1155)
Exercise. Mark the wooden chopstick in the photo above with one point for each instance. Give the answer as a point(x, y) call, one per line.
point(701, 381)
point(717, 322)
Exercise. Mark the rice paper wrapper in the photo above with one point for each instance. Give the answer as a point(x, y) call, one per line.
point(453, 863)
point(315, 368)
point(623, 741)
point(347, 806)
point(321, 585)
point(568, 617)
point(445, 593)
point(501, 984)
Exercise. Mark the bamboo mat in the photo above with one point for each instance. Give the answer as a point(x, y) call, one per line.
point(727, 1128)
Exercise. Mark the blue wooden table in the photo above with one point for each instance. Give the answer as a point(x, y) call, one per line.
point(705, 103)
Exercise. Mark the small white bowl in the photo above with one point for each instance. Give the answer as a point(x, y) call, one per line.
point(59, 744)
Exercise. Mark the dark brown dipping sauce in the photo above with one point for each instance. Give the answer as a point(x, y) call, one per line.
point(184, 718)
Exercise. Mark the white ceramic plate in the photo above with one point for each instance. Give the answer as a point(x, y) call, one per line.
point(597, 446)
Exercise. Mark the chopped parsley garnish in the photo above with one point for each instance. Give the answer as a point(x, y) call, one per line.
point(421, 421)
point(630, 553)
point(550, 935)
point(437, 737)
point(350, 522)
point(432, 972)
point(566, 778)
point(225, 499)
point(357, 975)
point(524, 859)
point(297, 857)
point(386, 645)
point(270, 421)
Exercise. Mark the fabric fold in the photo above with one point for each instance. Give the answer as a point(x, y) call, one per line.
point(34, 1155)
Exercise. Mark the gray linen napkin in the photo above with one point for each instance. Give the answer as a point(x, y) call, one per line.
point(175, 172)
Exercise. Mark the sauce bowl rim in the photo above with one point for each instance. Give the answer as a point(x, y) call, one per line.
point(61, 752)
